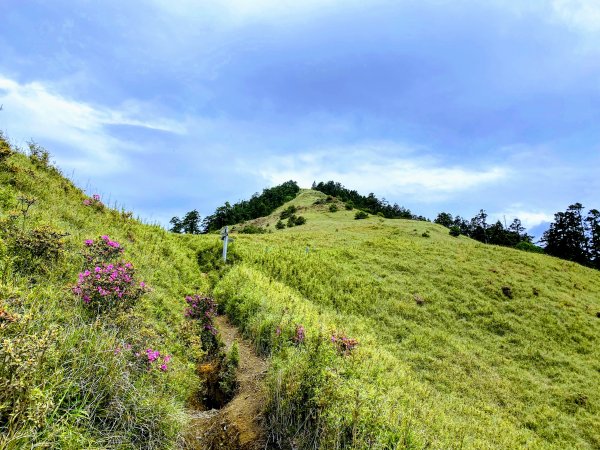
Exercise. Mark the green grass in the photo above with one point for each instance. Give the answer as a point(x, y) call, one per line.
point(61, 383)
point(445, 359)
point(469, 367)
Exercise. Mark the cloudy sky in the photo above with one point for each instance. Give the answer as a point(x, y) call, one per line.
point(167, 106)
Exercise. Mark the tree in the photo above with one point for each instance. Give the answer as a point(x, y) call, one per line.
point(593, 229)
point(444, 219)
point(191, 222)
point(177, 226)
point(566, 236)
point(479, 227)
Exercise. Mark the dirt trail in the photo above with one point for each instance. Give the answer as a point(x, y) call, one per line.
point(236, 426)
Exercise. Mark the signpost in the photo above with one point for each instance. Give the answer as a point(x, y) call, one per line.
point(226, 239)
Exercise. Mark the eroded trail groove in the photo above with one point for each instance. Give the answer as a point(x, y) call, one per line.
point(238, 424)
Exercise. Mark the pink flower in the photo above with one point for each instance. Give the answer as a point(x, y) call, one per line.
point(89, 242)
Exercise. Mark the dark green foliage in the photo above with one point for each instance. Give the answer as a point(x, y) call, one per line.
point(190, 224)
point(360, 215)
point(176, 225)
point(280, 225)
point(529, 247)
point(252, 229)
point(444, 219)
point(370, 203)
point(295, 221)
point(574, 238)
point(593, 227)
point(349, 206)
point(477, 228)
point(426, 234)
point(333, 208)
point(289, 211)
point(455, 231)
point(259, 205)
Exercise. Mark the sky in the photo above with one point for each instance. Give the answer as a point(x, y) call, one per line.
point(437, 105)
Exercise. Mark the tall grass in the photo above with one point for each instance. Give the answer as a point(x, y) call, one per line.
point(445, 358)
point(64, 383)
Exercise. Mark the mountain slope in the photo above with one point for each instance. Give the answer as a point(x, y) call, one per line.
point(71, 378)
point(461, 344)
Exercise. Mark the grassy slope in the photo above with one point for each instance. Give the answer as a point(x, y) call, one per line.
point(61, 384)
point(469, 368)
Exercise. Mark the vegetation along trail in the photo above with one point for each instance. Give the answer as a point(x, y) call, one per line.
point(237, 425)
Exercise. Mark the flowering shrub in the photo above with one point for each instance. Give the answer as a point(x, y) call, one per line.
point(94, 202)
point(203, 309)
point(150, 358)
point(300, 335)
point(108, 286)
point(102, 250)
point(344, 344)
point(155, 359)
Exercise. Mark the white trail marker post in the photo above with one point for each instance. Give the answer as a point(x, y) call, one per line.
point(225, 238)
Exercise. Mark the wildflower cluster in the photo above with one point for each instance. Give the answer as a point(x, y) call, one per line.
point(203, 309)
point(155, 359)
point(94, 201)
point(149, 358)
point(102, 250)
point(344, 344)
point(300, 335)
point(108, 286)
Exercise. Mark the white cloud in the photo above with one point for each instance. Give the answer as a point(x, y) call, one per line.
point(583, 15)
point(34, 110)
point(388, 169)
point(529, 218)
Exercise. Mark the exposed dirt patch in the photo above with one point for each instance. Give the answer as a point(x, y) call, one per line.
point(238, 424)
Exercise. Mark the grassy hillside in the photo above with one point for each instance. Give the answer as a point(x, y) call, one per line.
point(382, 333)
point(68, 377)
point(461, 345)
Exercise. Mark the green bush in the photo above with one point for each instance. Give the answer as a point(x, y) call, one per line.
point(252, 229)
point(288, 212)
point(349, 206)
point(360, 215)
point(280, 225)
point(529, 247)
point(300, 220)
point(454, 231)
point(333, 208)
point(36, 250)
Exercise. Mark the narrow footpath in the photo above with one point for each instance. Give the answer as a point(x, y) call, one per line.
point(238, 425)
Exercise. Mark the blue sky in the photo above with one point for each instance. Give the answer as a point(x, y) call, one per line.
point(167, 106)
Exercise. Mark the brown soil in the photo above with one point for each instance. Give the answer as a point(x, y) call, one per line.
point(237, 426)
